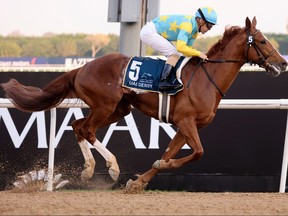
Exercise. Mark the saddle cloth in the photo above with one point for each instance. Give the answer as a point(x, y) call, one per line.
point(144, 73)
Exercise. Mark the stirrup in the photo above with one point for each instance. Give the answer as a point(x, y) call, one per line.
point(165, 85)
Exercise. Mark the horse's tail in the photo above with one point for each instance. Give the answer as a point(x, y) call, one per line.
point(29, 98)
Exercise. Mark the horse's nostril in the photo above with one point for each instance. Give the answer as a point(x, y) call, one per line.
point(284, 64)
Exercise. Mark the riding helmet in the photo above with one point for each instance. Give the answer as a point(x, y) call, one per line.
point(208, 14)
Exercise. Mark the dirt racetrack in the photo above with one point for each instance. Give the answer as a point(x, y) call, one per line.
point(117, 202)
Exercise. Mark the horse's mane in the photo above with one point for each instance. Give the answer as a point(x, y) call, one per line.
point(230, 32)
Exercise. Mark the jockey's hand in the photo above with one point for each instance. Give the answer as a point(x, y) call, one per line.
point(203, 56)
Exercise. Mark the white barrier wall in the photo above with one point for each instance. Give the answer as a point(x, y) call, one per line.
point(224, 104)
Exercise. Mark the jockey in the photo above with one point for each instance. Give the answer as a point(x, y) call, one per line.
point(182, 30)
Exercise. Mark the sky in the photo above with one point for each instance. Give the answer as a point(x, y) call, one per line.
point(37, 17)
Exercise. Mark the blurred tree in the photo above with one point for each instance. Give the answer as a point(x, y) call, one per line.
point(205, 43)
point(83, 48)
point(112, 47)
point(9, 49)
point(282, 40)
point(35, 47)
point(274, 43)
point(16, 33)
point(64, 46)
point(97, 42)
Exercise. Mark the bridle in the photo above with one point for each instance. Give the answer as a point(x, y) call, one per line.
point(262, 61)
point(251, 42)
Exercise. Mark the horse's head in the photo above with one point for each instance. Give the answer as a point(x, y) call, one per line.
point(260, 51)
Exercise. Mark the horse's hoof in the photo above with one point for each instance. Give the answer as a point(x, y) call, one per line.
point(157, 164)
point(134, 186)
point(114, 170)
point(129, 184)
point(86, 175)
point(162, 164)
point(114, 174)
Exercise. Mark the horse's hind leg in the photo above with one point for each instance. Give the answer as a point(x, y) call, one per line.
point(90, 163)
point(111, 161)
point(86, 152)
point(123, 108)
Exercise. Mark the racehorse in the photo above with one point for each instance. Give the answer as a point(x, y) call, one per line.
point(99, 85)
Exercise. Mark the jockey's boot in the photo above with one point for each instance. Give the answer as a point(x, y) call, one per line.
point(164, 84)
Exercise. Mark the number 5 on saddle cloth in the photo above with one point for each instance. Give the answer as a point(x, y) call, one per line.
point(144, 73)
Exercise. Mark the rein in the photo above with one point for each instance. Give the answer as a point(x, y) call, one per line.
point(207, 74)
point(221, 61)
point(212, 81)
point(250, 42)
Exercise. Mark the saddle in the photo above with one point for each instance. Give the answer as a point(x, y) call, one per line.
point(144, 74)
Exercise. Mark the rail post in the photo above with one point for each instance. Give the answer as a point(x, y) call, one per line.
point(284, 161)
point(51, 149)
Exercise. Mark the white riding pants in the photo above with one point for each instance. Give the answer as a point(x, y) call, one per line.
point(150, 36)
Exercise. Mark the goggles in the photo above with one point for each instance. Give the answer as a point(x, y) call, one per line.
point(209, 25)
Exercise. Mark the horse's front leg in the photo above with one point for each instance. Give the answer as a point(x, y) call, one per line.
point(141, 182)
point(193, 140)
point(85, 129)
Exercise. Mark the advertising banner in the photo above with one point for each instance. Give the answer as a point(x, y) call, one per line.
point(242, 148)
point(37, 61)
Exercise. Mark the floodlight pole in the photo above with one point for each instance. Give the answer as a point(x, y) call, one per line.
point(133, 15)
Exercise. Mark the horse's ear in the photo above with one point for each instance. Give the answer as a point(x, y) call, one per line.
point(248, 23)
point(254, 22)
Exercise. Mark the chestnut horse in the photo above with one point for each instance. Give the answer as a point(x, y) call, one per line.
point(99, 84)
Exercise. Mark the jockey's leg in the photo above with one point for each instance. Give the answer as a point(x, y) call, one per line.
point(150, 36)
point(164, 83)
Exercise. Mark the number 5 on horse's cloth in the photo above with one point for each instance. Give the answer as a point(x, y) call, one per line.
point(143, 73)
point(99, 84)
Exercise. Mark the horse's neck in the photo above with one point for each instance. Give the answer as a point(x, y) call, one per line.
point(224, 74)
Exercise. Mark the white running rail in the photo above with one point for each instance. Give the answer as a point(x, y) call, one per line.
point(224, 104)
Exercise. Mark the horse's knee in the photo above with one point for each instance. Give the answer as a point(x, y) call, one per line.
point(198, 154)
point(76, 125)
point(86, 134)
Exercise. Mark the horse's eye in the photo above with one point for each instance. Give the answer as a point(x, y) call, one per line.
point(263, 41)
